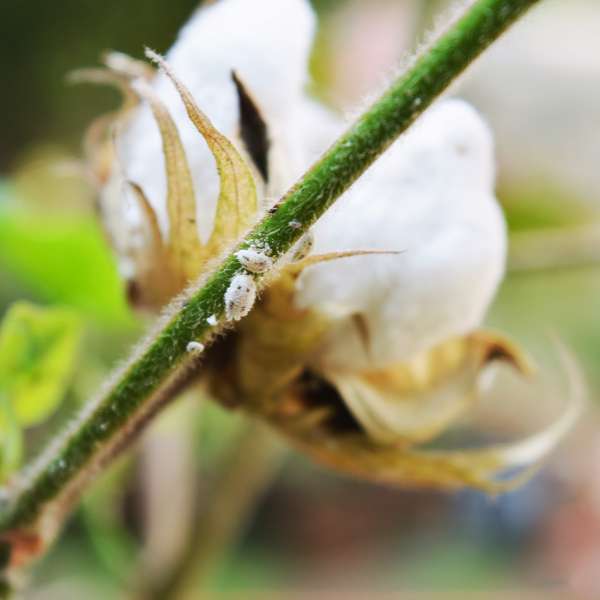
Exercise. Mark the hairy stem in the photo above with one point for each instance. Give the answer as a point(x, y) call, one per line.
point(157, 367)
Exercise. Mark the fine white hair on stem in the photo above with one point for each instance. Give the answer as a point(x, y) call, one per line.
point(433, 194)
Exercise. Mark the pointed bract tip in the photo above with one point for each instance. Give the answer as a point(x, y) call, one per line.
point(154, 56)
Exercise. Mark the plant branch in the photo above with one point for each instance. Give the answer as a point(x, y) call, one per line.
point(161, 364)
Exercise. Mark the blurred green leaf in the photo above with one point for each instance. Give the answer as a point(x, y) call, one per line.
point(61, 259)
point(37, 355)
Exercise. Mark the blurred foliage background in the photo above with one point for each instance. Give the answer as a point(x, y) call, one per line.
point(314, 531)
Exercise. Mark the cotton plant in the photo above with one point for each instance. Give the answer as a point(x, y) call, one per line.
point(359, 339)
point(369, 345)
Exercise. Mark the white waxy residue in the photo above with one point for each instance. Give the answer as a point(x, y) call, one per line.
point(195, 347)
point(240, 296)
point(254, 260)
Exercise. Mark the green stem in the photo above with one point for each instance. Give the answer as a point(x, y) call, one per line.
point(158, 367)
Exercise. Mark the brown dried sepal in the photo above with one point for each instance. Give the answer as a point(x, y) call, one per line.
point(316, 419)
point(164, 264)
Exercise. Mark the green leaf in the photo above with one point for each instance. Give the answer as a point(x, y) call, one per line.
point(61, 259)
point(37, 354)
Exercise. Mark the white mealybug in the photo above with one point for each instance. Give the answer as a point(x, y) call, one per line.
point(212, 320)
point(254, 261)
point(194, 347)
point(239, 297)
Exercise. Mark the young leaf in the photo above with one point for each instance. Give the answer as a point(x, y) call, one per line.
point(37, 354)
point(237, 204)
point(62, 260)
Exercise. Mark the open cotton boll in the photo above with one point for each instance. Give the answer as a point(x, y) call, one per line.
point(431, 197)
point(312, 129)
point(309, 130)
point(267, 42)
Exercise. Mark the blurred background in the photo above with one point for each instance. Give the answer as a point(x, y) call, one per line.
point(301, 529)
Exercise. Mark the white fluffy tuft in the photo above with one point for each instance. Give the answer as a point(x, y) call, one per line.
point(430, 195)
point(267, 42)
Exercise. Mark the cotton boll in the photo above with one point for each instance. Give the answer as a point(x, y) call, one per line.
point(310, 129)
point(431, 197)
point(314, 128)
point(267, 42)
